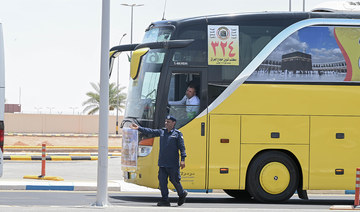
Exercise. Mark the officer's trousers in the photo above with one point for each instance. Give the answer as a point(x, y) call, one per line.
point(174, 174)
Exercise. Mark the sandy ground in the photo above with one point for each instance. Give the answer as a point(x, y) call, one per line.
point(56, 141)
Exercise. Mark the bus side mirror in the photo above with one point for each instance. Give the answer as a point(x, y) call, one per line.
point(112, 56)
point(136, 61)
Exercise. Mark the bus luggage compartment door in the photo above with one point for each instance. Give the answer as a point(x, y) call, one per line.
point(224, 152)
point(334, 152)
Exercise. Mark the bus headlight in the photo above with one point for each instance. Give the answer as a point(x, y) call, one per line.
point(145, 147)
point(144, 151)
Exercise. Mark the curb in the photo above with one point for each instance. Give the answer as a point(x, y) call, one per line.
point(337, 192)
point(58, 135)
point(350, 192)
point(60, 154)
point(40, 177)
point(56, 186)
point(60, 147)
point(51, 158)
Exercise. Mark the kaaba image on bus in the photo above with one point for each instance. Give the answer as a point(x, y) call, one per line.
point(296, 61)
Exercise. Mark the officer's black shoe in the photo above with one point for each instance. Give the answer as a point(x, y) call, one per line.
point(182, 198)
point(163, 203)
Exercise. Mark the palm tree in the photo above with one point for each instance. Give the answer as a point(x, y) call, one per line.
point(115, 94)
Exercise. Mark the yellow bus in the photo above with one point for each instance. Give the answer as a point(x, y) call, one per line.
point(279, 101)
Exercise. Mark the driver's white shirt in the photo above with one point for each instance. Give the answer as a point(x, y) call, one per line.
point(192, 104)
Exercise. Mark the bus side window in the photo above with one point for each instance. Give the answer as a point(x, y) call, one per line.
point(177, 90)
point(259, 44)
point(245, 50)
point(214, 90)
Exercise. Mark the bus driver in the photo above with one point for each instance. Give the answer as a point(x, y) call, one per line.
point(191, 101)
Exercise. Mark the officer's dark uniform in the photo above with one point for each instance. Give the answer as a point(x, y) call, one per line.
point(170, 144)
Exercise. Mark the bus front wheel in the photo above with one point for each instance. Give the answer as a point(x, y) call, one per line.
point(272, 177)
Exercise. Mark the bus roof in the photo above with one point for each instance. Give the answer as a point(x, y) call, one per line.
point(270, 16)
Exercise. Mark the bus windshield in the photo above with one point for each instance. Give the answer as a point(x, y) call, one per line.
point(158, 34)
point(142, 92)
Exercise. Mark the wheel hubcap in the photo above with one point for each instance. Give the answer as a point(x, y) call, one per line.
point(274, 178)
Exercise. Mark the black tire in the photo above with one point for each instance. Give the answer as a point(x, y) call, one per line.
point(272, 177)
point(238, 194)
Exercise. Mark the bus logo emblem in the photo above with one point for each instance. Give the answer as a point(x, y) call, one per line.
point(223, 33)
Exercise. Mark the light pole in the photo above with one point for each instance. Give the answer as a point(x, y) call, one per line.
point(73, 108)
point(303, 5)
point(132, 11)
point(289, 5)
point(117, 87)
point(50, 108)
point(38, 109)
point(103, 141)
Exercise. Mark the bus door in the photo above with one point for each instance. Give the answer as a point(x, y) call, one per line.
point(191, 121)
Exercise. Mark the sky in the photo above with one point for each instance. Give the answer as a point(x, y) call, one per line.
point(52, 47)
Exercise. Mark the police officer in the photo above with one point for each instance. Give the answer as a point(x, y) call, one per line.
point(171, 141)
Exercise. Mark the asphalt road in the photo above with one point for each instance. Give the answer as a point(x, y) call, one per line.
point(69, 170)
point(140, 201)
point(132, 200)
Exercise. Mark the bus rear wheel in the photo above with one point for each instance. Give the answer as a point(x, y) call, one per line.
point(238, 194)
point(272, 177)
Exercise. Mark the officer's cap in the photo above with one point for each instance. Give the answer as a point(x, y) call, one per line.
point(172, 118)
